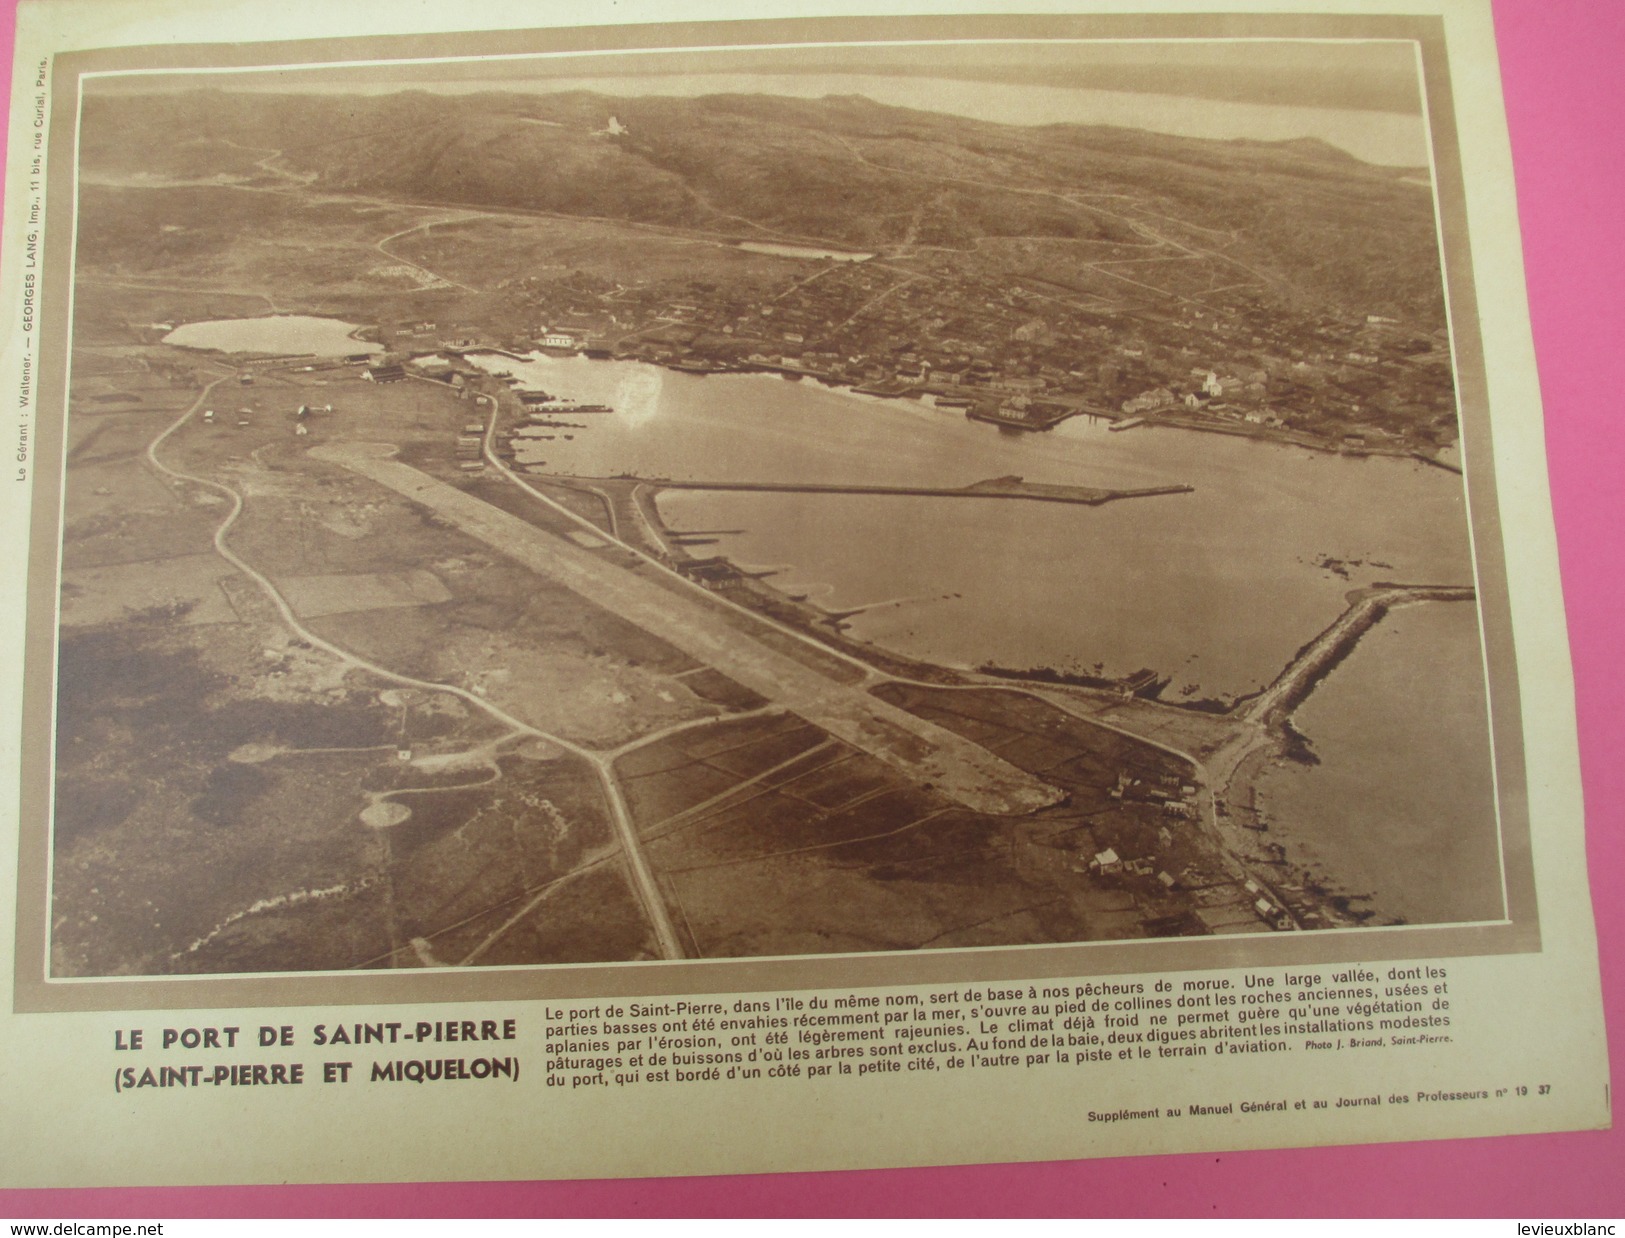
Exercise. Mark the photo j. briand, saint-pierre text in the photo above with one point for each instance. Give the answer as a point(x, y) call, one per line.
point(762, 502)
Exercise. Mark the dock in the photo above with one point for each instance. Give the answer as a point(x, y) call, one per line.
point(1042, 417)
point(1436, 462)
point(1021, 420)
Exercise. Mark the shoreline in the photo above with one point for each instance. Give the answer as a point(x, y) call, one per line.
point(977, 409)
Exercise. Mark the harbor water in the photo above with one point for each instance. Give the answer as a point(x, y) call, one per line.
point(1215, 590)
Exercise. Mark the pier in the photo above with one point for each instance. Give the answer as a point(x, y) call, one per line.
point(1436, 462)
point(482, 349)
point(993, 488)
point(1046, 417)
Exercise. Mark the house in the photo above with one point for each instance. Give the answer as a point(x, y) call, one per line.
point(714, 574)
point(1106, 862)
point(391, 373)
point(1157, 397)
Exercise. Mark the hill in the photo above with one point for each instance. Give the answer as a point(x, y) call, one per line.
point(1316, 230)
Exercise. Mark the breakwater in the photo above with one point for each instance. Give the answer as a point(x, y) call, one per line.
point(992, 488)
point(1320, 655)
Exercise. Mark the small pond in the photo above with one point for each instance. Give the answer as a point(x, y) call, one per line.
point(290, 334)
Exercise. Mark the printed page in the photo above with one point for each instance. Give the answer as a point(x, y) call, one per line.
point(661, 596)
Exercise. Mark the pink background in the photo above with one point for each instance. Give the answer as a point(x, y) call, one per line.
point(1560, 61)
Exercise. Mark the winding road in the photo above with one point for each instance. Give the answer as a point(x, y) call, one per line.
point(643, 880)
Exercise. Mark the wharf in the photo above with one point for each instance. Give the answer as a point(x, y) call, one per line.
point(1436, 462)
point(483, 349)
point(1046, 418)
point(1039, 421)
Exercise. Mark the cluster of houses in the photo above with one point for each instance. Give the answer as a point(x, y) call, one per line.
point(1173, 796)
point(1010, 357)
point(1232, 397)
point(952, 333)
point(471, 447)
point(1228, 905)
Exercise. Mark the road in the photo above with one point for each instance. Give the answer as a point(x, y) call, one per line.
point(433, 280)
point(643, 881)
point(1139, 227)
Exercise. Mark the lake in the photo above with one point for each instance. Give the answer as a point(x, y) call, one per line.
point(290, 334)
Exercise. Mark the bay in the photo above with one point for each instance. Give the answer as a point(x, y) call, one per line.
point(1217, 588)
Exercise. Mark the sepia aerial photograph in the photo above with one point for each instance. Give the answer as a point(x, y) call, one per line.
point(764, 501)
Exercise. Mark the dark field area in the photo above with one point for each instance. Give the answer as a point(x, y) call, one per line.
point(773, 838)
